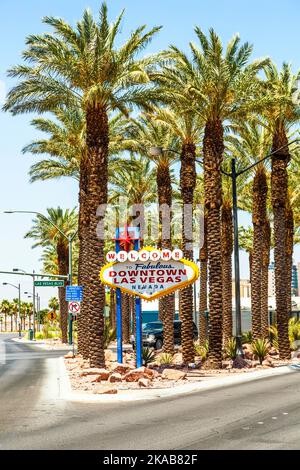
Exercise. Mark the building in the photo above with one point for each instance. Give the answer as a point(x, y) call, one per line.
point(295, 280)
point(245, 288)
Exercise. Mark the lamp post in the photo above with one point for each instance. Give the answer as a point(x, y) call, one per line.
point(234, 175)
point(70, 239)
point(156, 151)
point(19, 304)
point(36, 298)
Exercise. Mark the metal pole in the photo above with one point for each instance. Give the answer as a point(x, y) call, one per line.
point(138, 322)
point(119, 310)
point(33, 303)
point(238, 319)
point(138, 332)
point(70, 283)
point(19, 315)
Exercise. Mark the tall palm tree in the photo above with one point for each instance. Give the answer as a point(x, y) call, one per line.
point(282, 113)
point(83, 64)
point(220, 86)
point(187, 126)
point(46, 234)
point(5, 308)
point(147, 132)
point(251, 145)
point(65, 144)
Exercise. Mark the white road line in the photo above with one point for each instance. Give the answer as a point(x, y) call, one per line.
point(2, 353)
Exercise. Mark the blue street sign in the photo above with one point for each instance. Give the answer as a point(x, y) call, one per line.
point(74, 293)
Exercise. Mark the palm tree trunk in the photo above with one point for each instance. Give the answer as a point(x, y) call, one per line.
point(260, 190)
point(265, 279)
point(203, 327)
point(187, 186)
point(125, 318)
point(227, 247)
point(97, 147)
point(279, 181)
point(289, 252)
point(213, 148)
point(83, 233)
point(166, 304)
point(112, 309)
point(63, 263)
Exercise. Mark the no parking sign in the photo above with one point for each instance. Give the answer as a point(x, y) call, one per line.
point(74, 307)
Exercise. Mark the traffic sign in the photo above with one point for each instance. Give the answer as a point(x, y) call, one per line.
point(74, 307)
point(51, 316)
point(74, 293)
point(49, 283)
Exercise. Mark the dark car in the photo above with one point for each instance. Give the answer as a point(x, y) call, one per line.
point(153, 334)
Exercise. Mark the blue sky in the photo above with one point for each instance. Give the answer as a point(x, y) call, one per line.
point(270, 25)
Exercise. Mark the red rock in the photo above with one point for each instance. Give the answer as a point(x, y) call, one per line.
point(240, 363)
point(107, 391)
point(140, 373)
point(122, 368)
point(69, 355)
point(103, 373)
point(268, 363)
point(115, 377)
point(173, 374)
point(144, 382)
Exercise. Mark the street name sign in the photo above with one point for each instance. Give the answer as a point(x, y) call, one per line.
point(74, 293)
point(49, 283)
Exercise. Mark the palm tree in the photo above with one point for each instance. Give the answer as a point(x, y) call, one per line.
point(5, 308)
point(146, 132)
point(187, 126)
point(251, 145)
point(82, 65)
point(46, 234)
point(282, 113)
point(220, 87)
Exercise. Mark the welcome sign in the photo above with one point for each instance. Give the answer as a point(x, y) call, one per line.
point(149, 273)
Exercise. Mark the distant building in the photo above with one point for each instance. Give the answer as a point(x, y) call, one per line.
point(245, 288)
point(295, 280)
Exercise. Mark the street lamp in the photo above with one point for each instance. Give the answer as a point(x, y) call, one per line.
point(234, 175)
point(36, 298)
point(19, 304)
point(70, 239)
point(155, 152)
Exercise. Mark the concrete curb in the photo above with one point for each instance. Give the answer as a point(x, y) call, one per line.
point(43, 345)
point(66, 392)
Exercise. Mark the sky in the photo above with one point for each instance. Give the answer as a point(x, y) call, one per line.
point(270, 25)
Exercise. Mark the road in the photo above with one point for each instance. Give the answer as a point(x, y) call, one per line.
point(262, 414)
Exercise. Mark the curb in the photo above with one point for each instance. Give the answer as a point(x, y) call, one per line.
point(66, 392)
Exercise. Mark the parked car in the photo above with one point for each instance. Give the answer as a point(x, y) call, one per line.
point(152, 334)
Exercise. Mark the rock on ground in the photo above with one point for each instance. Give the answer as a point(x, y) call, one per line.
point(173, 374)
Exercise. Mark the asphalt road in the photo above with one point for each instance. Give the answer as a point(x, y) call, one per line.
point(262, 414)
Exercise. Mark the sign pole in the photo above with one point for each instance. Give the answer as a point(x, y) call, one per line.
point(119, 309)
point(138, 322)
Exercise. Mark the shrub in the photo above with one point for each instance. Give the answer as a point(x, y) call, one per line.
point(109, 334)
point(147, 356)
point(294, 331)
point(164, 359)
point(201, 351)
point(260, 348)
point(247, 337)
point(230, 348)
point(273, 336)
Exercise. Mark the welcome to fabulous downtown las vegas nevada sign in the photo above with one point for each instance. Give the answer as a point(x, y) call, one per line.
point(149, 273)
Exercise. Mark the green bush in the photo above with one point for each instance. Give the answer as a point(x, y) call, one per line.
point(148, 356)
point(230, 348)
point(247, 337)
point(164, 359)
point(109, 334)
point(260, 348)
point(201, 351)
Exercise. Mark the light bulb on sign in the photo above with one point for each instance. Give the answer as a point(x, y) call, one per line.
point(177, 254)
point(154, 255)
point(122, 256)
point(144, 255)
